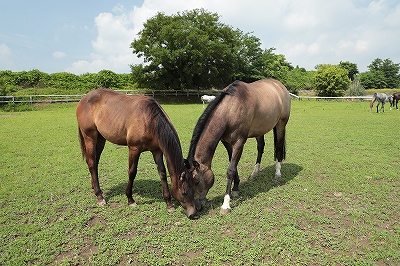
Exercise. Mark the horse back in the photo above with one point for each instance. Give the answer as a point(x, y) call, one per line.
point(121, 119)
point(257, 107)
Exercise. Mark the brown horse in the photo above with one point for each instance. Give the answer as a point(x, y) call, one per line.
point(140, 123)
point(240, 112)
point(396, 99)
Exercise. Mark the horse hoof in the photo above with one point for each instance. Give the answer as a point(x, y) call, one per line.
point(133, 204)
point(225, 211)
point(235, 193)
point(102, 202)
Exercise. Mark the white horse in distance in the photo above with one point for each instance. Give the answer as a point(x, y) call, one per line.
point(207, 99)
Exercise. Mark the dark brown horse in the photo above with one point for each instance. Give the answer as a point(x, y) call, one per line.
point(396, 99)
point(140, 123)
point(240, 112)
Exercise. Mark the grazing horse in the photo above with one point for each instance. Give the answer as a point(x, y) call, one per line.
point(207, 99)
point(140, 123)
point(381, 98)
point(240, 112)
point(396, 98)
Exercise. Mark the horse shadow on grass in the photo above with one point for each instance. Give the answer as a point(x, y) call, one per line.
point(149, 191)
point(250, 187)
point(145, 191)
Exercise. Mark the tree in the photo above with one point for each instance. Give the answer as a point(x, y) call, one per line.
point(386, 73)
point(63, 80)
point(373, 79)
point(351, 68)
point(107, 79)
point(331, 80)
point(31, 78)
point(193, 50)
point(298, 78)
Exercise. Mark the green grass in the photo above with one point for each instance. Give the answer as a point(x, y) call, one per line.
point(337, 202)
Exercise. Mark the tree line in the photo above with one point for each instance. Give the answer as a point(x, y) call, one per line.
point(194, 50)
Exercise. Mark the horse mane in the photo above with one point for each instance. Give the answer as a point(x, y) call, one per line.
point(198, 130)
point(169, 139)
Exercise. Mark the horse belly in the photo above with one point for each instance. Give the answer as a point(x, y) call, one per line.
point(258, 129)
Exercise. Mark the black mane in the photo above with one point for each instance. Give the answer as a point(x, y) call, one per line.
point(198, 130)
point(168, 136)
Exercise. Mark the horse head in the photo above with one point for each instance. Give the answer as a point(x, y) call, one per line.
point(183, 191)
point(203, 178)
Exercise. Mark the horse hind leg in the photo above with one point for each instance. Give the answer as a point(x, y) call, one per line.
point(260, 150)
point(280, 147)
point(93, 146)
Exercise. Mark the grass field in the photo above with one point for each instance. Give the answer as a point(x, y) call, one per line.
point(337, 203)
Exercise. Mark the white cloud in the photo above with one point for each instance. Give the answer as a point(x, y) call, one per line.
point(6, 57)
point(59, 54)
point(111, 48)
point(307, 32)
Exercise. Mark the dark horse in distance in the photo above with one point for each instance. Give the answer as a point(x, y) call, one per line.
point(140, 123)
point(240, 112)
point(396, 99)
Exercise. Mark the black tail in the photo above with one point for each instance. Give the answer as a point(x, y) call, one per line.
point(279, 145)
point(82, 143)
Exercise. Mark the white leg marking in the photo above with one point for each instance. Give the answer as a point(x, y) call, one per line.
point(278, 170)
point(256, 170)
point(226, 206)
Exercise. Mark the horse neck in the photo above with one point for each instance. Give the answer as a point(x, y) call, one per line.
point(208, 142)
point(174, 162)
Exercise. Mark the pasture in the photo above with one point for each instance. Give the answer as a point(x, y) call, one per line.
point(337, 202)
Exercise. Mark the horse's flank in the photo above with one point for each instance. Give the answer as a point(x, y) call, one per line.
point(246, 113)
point(126, 122)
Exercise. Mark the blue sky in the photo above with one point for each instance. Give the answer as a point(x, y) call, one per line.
point(91, 35)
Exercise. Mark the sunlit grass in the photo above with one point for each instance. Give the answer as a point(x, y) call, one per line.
point(337, 201)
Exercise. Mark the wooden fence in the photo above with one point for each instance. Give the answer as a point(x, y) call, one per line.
point(77, 97)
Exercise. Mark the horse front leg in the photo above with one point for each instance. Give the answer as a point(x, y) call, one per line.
point(134, 154)
point(236, 180)
point(260, 150)
point(232, 175)
point(158, 159)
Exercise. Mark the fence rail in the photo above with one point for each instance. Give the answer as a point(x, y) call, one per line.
point(343, 98)
point(77, 97)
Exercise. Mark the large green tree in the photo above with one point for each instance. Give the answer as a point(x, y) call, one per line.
point(194, 50)
point(382, 74)
point(351, 68)
point(331, 80)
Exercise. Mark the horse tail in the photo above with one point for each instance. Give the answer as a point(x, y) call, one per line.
point(82, 143)
point(279, 144)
